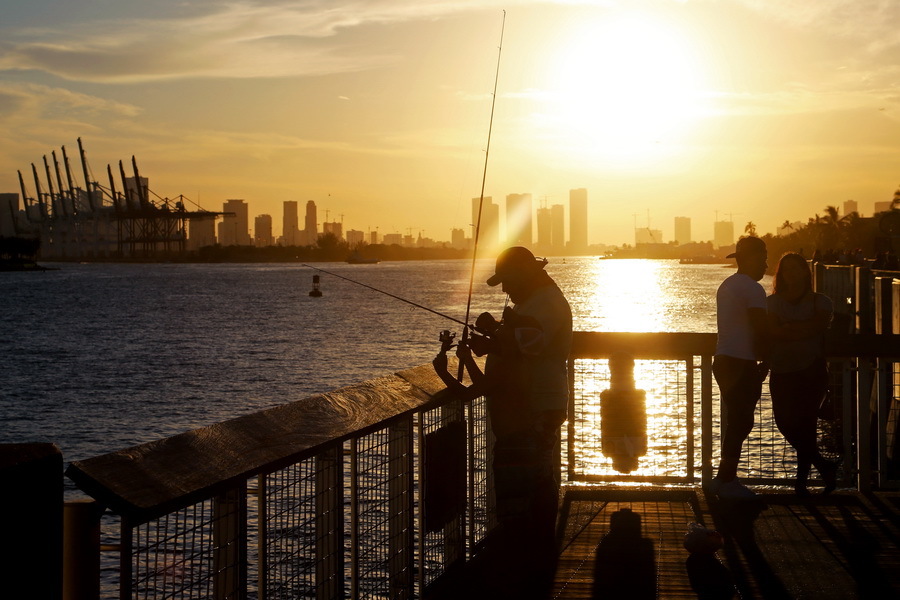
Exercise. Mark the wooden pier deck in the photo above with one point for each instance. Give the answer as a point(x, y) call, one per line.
point(842, 546)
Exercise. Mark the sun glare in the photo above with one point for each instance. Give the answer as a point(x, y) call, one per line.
point(624, 89)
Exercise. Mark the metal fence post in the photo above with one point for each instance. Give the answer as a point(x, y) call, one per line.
point(865, 389)
point(230, 544)
point(706, 419)
point(330, 524)
point(400, 507)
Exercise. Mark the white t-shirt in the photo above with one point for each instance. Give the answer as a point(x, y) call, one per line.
point(735, 296)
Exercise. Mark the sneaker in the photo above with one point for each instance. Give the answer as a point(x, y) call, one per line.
point(733, 489)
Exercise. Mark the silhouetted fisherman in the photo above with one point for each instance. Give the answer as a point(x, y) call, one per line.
point(526, 384)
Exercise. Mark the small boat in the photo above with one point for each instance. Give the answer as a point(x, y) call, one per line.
point(357, 259)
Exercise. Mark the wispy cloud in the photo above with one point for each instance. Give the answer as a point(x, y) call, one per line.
point(242, 40)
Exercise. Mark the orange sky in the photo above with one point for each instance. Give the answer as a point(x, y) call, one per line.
point(752, 110)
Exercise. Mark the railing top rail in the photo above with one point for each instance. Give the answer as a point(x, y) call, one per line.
point(152, 479)
point(678, 345)
point(656, 345)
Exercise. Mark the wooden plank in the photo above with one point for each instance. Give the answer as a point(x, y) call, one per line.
point(652, 564)
point(154, 478)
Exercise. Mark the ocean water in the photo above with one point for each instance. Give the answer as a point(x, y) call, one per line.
point(99, 357)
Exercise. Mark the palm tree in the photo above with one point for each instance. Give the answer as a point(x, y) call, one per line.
point(750, 228)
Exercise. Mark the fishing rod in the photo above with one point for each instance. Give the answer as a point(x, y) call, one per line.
point(487, 152)
point(394, 296)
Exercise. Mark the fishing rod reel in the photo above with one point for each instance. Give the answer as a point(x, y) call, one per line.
point(447, 337)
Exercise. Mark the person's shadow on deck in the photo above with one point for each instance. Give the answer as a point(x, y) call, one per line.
point(625, 565)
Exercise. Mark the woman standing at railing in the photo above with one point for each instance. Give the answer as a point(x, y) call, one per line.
point(798, 319)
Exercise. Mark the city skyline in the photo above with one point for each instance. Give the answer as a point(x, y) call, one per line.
point(381, 110)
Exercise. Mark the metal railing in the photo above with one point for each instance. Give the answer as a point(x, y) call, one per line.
point(380, 489)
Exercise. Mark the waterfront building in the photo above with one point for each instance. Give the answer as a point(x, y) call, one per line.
point(518, 220)
point(723, 234)
point(489, 231)
point(882, 206)
point(645, 235)
point(458, 238)
point(544, 226)
point(335, 228)
point(290, 224)
point(234, 230)
point(578, 221)
point(373, 237)
point(262, 231)
point(393, 239)
point(9, 215)
point(682, 230)
point(850, 206)
point(355, 237)
point(310, 230)
point(201, 232)
point(558, 229)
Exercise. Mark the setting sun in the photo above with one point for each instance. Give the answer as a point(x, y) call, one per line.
point(624, 89)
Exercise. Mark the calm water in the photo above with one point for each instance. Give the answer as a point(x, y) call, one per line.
point(98, 357)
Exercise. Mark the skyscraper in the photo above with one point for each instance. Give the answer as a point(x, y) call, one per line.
point(578, 221)
point(544, 227)
point(558, 229)
point(723, 233)
point(518, 220)
point(311, 229)
point(235, 228)
point(682, 230)
point(850, 206)
point(262, 231)
point(290, 225)
point(489, 230)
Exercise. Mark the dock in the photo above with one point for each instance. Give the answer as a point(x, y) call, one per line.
point(844, 545)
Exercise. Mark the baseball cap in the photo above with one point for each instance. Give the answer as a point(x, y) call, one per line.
point(748, 245)
point(517, 259)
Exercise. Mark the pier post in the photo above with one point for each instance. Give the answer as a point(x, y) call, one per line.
point(31, 512)
point(81, 549)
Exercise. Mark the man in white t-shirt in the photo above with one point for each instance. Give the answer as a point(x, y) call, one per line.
point(738, 365)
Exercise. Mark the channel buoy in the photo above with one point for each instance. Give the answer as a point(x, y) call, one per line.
point(315, 292)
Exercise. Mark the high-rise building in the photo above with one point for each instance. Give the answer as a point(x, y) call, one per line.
point(201, 232)
point(458, 238)
point(393, 238)
point(373, 237)
point(518, 220)
point(310, 229)
point(262, 231)
point(234, 230)
point(335, 227)
point(682, 230)
point(290, 224)
point(544, 230)
point(850, 206)
point(882, 206)
point(558, 228)
point(578, 221)
point(9, 214)
point(355, 237)
point(645, 235)
point(489, 229)
point(723, 233)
